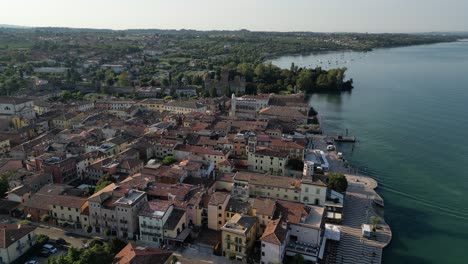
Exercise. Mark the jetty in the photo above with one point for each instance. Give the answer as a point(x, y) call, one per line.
point(344, 139)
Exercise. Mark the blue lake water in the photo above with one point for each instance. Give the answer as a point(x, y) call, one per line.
point(409, 111)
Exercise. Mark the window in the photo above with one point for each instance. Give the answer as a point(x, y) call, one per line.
point(219, 215)
point(263, 253)
point(219, 222)
point(263, 244)
point(317, 191)
point(306, 189)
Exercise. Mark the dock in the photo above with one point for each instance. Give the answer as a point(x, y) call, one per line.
point(344, 139)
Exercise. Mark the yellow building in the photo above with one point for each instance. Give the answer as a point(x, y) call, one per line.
point(238, 237)
point(248, 184)
point(62, 121)
point(216, 209)
point(68, 210)
point(153, 104)
point(264, 209)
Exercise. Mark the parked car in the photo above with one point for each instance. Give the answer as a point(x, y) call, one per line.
point(32, 262)
point(50, 248)
point(61, 241)
point(44, 253)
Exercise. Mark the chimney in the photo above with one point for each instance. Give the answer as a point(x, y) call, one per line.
point(284, 225)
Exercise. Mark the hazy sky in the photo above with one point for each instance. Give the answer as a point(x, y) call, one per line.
point(271, 15)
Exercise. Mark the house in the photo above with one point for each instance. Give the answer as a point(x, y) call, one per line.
point(217, 209)
point(182, 152)
point(175, 231)
point(139, 254)
point(238, 237)
point(69, 211)
point(62, 203)
point(264, 209)
point(184, 107)
point(306, 226)
point(63, 169)
point(152, 104)
point(152, 217)
point(294, 149)
point(15, 240)
point(274, 241)
point(313, 190)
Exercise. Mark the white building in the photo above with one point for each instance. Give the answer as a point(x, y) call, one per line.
point(152, 218)
point(13, 106)
point(15, 240)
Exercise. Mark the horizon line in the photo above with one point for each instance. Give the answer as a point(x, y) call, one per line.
point(12, 26)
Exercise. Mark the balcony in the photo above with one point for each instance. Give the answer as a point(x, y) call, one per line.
point(303, 248)
point(233, 242)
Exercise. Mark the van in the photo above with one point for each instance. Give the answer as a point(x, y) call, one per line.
point(50, 248)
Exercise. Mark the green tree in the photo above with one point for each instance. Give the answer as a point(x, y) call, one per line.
point(45, 218)
point(123, 79)
point(73, 255)
point(375, 221)
point(105, 180)
point(96, 255)
point(114, 245)
point(337, 182)
point(4, 182)
point(213, 92)
point(24, 222)
point(169, 159)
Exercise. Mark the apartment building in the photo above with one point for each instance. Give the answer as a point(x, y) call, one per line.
point(238, 237)
point(116, 208)
point(267, 160)
point(267, 186)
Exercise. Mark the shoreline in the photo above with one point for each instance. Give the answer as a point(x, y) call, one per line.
point(272, 58)
point(358, 209)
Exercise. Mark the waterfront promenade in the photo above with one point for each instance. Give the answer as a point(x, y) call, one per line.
point(358, 209)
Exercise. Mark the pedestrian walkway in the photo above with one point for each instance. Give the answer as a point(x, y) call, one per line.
point(358, 210)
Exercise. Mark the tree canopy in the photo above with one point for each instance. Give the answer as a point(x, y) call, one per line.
point(337, 182)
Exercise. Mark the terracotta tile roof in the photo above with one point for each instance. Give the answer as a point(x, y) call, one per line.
point(283, 111)
point(10, 233)
point(199, 150)
point(264, 206)
point(179, 191)
point(292, 212)
point(218, 198)
point(134, 254)
point(270, 152)
point(274, 233)
point(268, 180)
point(149, 208)
point(286, 144)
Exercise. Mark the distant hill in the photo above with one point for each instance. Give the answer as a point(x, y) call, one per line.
point(13, 26)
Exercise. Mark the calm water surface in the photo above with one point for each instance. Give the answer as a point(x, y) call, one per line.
point(409, 110)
